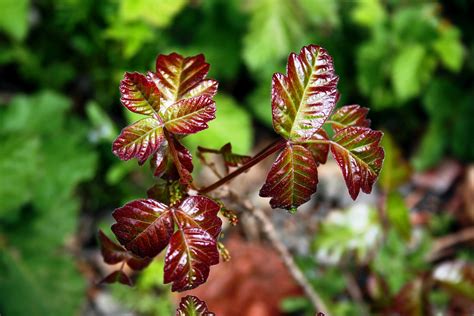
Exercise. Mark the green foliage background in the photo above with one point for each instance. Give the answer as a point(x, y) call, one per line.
point(410, 62)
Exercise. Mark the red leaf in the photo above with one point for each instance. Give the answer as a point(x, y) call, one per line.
point(139, 94)
point(201, 212)
point(181, 78)
point(192, 306)
point(190, 254)
point(114, 253)
point(292, 179)
point(118, 276)
point(139, 140)
point(320, 150)
point(349, 115)
point(143, 226)
point(159, 160)
point(189, 116)
point(359, 155)
point(111, 252)
point(303, 99)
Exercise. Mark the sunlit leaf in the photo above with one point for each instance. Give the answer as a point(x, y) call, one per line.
point(349, 115)
point(139, 94)
point(396, 170)
point(143, 226)
point(192, 306)
point(398, 215)
point(180, 78)
point(359, 155)
point(183, 162)
point(189, 116)
point(188, 258)
point(292, 179)
point(303, 99)
point(139, 140)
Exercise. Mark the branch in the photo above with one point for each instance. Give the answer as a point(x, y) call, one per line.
point(274, 147)
point(269, 230)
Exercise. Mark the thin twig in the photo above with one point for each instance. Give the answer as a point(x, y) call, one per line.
point(270, 232)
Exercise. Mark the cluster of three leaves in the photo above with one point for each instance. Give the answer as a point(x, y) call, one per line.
point(145, 227)
point(177, 100)
point(302, 101)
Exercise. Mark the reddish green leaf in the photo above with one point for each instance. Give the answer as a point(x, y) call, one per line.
point(118, 277)
point(139, 140)
point(189, 116)
point(359, 155)
point(303, 99)
point(188, 258)
point(201, 212)
point(180, 78)
point(320, 150)
point(170, 192)
point(139, 94)
point(349, 115)
point(292, 179)
point(192, 306)
point(143, 227)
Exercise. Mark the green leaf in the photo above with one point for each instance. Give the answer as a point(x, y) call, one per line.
point(432, 147)
point(368, 13)
point(292, 179)
point(407, 69)
point(274, 30)
point(396, 171)
point(398, 215)
point(157, 13)
point(449, 47)
point(14, 19)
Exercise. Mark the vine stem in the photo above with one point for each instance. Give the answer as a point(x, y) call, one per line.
point(269, 229)
point(264, 153)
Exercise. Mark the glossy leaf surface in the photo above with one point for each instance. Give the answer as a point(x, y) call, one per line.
point(139, 94)
point(292, 179)
point(188, 258)
point(303, 99)
point(143, 226)
point(139, 140)
point(184, 162)
point(192, 306)
point(359, 155)
point(201, 212)
point(159, 160)
point(189, 116)
point(179, 78)
point(349, 115)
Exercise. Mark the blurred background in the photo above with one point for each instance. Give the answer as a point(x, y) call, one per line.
point(410, 62)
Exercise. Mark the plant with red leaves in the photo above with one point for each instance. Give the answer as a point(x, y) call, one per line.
point(178, 100)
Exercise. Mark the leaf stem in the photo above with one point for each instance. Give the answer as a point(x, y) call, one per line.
point(264, 153)
point(177, 162)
